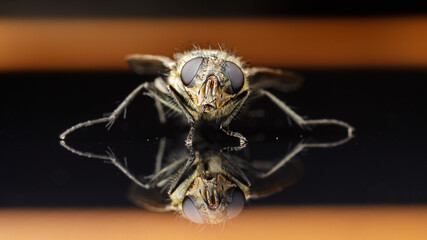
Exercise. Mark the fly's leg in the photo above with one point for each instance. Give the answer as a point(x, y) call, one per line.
point(112, 117)
point(190, 136)
point(242, 138)
point(224, 125)
point(190, 119)
point(161, 111)
point(301, 121)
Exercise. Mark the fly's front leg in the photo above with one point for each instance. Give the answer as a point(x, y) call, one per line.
point(301, 121)
point(183, 110)
point(242, 138)
point(224, 125)
point(112, 117)
point(190, 136)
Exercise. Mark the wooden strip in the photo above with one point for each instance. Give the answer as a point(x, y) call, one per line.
point(90, 44)
point(350, 223)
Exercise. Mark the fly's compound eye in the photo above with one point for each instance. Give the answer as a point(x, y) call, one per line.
point(236, 204)
point(189, 70)
point(190, 211)
point(236, 76)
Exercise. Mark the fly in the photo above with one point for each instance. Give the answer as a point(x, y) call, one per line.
point(208, 85)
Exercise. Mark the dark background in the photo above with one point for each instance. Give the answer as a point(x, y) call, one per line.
point(384, 164)
point(169, 8)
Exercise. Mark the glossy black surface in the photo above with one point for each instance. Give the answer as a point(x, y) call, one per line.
point(385, 163)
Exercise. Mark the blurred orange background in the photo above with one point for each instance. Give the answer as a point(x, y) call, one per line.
point(306, 222)
point(101, 44)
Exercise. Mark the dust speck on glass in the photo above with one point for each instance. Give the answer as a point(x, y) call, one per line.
point(207, 185)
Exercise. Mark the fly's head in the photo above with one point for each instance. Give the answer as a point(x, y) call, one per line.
point(209, 79)
point(212, 199)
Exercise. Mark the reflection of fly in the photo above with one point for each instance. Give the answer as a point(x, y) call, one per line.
point(205, 84)
point(206, 185)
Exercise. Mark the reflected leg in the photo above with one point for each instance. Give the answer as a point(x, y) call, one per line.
point(124, 169)
point(182, 171)
point(159, 156)
point(298, 148)
point(109, 157)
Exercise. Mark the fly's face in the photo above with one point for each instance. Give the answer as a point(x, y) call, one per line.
point(212, 199)
point(208, 79)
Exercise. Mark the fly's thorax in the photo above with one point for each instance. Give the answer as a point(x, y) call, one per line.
point(208, 80)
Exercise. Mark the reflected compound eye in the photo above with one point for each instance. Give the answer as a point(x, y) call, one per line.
point(190, 69)
point(190, 211)
point(236, 204)
point(235, 75)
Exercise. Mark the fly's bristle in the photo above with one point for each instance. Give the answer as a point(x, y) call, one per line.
point(197, 47)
